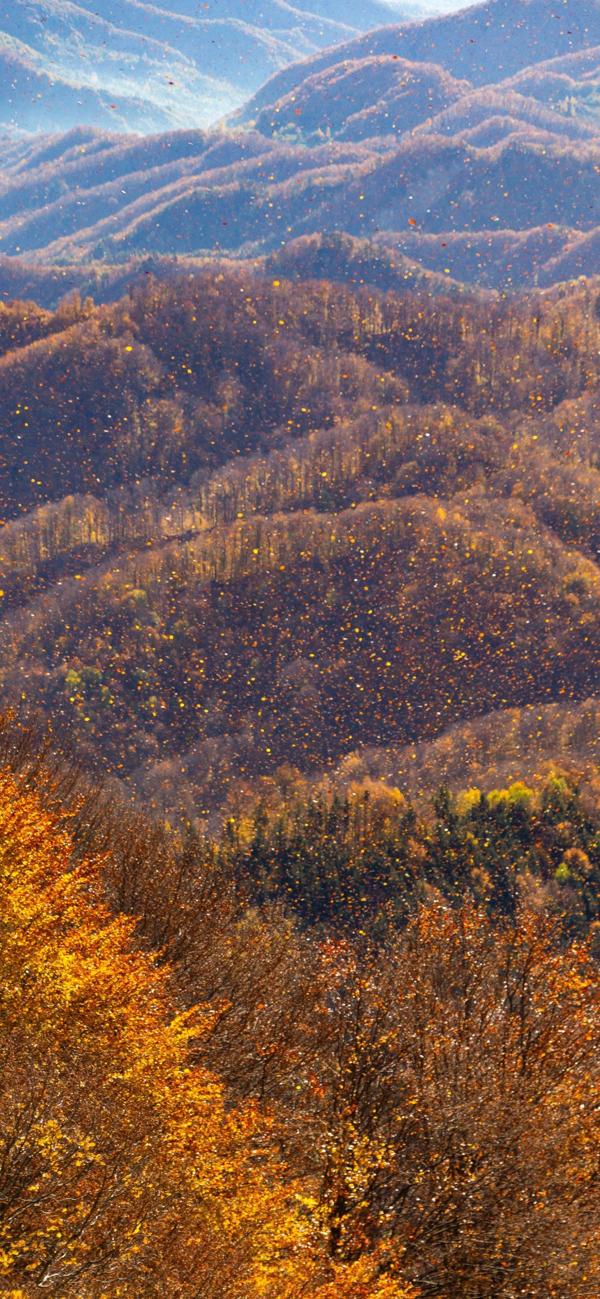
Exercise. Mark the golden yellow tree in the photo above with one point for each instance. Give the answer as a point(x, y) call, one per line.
point(122, 1170)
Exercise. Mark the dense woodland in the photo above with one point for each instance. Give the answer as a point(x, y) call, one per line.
point(300, 521)
point(345, 1051)
point(343, 1043)
point(299, 650)
point(300, 584)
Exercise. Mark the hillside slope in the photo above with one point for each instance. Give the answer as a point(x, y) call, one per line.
point(299, 521)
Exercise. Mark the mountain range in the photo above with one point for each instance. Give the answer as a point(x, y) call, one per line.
point(486, 43)
point(135, 66)
point(299, 649)
point(400, 155)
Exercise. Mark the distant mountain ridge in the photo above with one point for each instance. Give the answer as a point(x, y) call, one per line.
point(147, 67)
point(419, 167)
point(485, 43)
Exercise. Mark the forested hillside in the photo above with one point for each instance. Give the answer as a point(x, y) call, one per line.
point(251, 523)
point(198, 1089)
point(299, 651)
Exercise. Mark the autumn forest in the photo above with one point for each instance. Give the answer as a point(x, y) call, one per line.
point(299, 654)
point(300, 804)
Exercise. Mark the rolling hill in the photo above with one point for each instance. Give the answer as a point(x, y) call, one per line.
point(473, 213)
point(251, 523)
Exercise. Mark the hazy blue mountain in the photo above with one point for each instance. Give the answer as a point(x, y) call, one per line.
point(362, 99)
point(130, 65)
point(425, 172)
point(485, 43)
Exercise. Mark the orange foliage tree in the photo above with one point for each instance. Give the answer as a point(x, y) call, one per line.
point(122, 1170)
point(458, 1107)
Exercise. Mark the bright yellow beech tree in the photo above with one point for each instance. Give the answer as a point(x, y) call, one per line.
point(122, 1171)
point(363, 1280)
